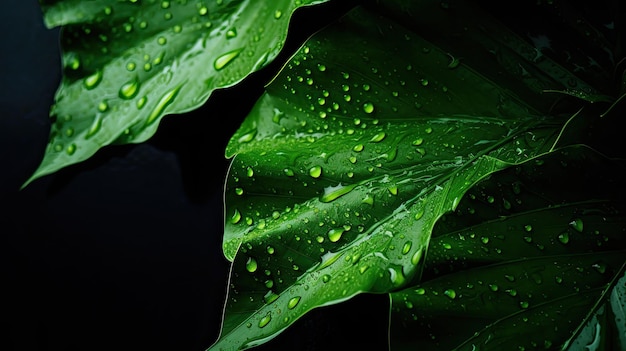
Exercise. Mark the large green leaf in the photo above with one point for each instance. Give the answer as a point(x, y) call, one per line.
point(368, 135)
point(524, 262)
point(129, 63)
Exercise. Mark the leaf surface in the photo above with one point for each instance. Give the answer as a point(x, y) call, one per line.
point(363, 141)
point(126, 64)
point(530, 263)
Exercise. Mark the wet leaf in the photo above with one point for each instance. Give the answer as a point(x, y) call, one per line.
point(344, 165)
point(126, 64)
point(529, 274)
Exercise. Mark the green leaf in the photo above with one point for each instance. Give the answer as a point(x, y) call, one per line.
point(344, 165)
point(129, 63)
point(524, 261)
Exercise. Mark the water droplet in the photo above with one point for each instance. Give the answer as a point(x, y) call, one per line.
point(332, 193)
point(231, 33)
point(95, 127)
point(71, 149)
point(564, 238)
point(93, 80)
point(270, 250)
point(131, 66)
point(326, 278)
point(493, 287)
point(577, 224)
point(415, 259)
point(265, 320)
point(523, 304)
point(450, 293)
point(69, 131)
point(236, 217)
point(203, 10)
point(321, 67)
point(528, 227)
point(225, 59)
point(129, 90)
point(378, 137)
point(161, 105)
point(335, 234)
point(293, 302)
point(103, 106)
point(368, 107)
point(251, 265)
point(315, 171)
point(408, 304)
point(406, 248)
point(278, 14)
point(162, 40)
point(420, 291)
point(418, 141)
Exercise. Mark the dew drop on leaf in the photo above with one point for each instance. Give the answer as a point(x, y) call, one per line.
point(161, 105)
point(71, 149)
point(577, 224)
point(450, 293)
point(368, 107)
point(95, 127)
point(315, 171)
point(335, 234)
point(93, 80)
point(129, 90)
point(251, 265)
point(293, 302)
point(225, 59)
point(265, 320)
point(564, 238)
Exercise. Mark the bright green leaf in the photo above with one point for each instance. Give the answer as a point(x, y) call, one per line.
point(129, 63)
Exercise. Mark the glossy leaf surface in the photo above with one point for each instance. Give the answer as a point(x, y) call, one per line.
point(129, 63)
point(344, 165)
point(524, 262)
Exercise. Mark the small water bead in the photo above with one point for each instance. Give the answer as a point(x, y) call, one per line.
point(321, 67)
point(270, 250)
point(131, 66)
point(278, 14)
point(293, 302)
point(69, 132)
point(103, 106)
point(577, 224)
point(418, 141)
point(378, 137)
point(564, 238)
point(225, 59)
point(231, 33)
point(450, 293)
point(315, 171)
point(251, 265)
point(165, 101)
point(95, 127)
point(129, 90)
point(71, 149)
point(142, 102)
point(335, 234)
point(265, 320)
point(368, 107)
point(524, 304)
point(407, 247)
point(93, 80)
point(203, 10)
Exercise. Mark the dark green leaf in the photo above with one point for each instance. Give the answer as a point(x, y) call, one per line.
point(532, 261)
point(344, 165)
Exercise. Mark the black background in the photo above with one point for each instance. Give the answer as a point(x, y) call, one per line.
point(123, 251)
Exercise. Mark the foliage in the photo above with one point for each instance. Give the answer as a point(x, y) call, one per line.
point(427, 150)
